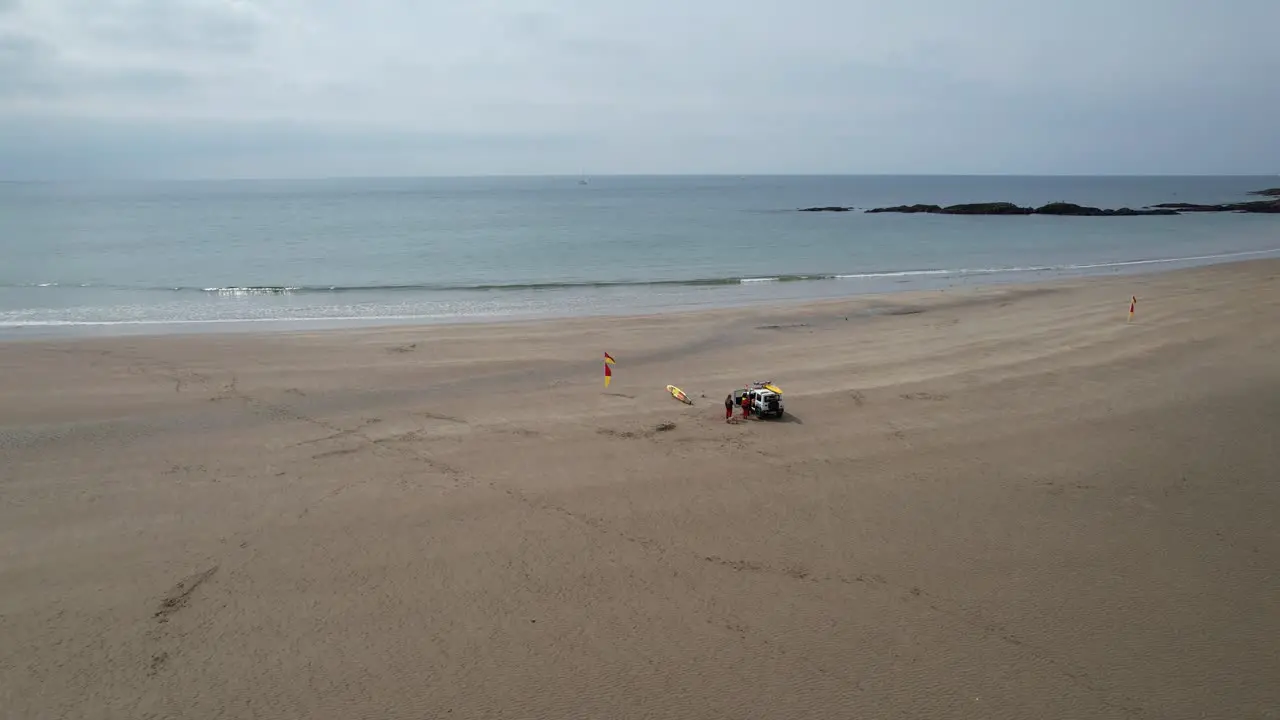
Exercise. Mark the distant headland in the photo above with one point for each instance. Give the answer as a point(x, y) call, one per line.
point(1071, 209)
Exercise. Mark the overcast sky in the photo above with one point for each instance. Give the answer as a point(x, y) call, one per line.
point(304, 88)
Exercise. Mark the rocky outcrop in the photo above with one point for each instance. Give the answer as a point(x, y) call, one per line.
point(1004, 208)
point(908, 209)
point(1254, 206)
point(1073, 210)
point(1061, 208)
point(996, 208)
point(828, 208)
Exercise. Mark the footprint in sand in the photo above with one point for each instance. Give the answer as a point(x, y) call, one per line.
point(923, 396)
point(442, 418)
point(179, 594)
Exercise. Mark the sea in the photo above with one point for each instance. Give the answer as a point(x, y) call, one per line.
point(162, 257)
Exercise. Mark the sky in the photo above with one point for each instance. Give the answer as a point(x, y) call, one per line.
point(326, 88)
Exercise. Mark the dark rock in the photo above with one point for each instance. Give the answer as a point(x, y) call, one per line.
point(829, 208)
point(995, 208)
point(1269, 192)
point(1257, 206)
point(1004, 208)
point(908, 209)
point(1073, 210)
point(1189, 207)
point(1130, 212)
point(1253, 206)
point(1064, 208)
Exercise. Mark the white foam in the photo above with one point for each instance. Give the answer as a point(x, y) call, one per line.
point(899, 273)
point(30, 318)
point(234, 320)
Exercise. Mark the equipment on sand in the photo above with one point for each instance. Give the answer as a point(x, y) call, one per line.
point(678, 394)
point(763, 399)
point(766, 385)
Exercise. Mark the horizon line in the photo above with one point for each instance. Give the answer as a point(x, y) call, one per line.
point(579, 176)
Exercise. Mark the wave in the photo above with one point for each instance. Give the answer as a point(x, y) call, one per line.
point(372, 319)
point(251, 290)
point(497, 287)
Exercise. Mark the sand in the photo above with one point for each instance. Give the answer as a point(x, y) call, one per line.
point(993, 503)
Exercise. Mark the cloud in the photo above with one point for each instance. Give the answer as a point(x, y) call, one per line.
point(714, 86)
point(171, 27)
point(33, 72)
point(21, 60)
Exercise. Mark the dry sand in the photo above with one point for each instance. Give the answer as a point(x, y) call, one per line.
point(1000, 503)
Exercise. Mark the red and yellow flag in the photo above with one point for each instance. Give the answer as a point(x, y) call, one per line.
point(608, 374)
point(608, 359)
point(1133, 303)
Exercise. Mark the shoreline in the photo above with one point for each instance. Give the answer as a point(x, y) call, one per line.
point(931, 281)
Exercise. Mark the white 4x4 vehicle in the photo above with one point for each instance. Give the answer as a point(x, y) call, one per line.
point(764, 399)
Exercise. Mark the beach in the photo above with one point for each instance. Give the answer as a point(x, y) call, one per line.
point(986, 502)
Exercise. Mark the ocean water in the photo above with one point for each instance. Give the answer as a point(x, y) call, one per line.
point(175, 256)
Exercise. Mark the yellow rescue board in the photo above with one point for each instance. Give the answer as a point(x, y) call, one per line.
point(773, 388)
point(678, 394)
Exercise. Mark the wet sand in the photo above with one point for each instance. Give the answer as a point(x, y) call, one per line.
point(995, 503)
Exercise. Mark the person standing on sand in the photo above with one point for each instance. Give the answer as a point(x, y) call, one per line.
point(728, 407)
point(746, 405)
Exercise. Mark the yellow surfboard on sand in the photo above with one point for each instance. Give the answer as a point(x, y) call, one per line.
point(678, 394)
